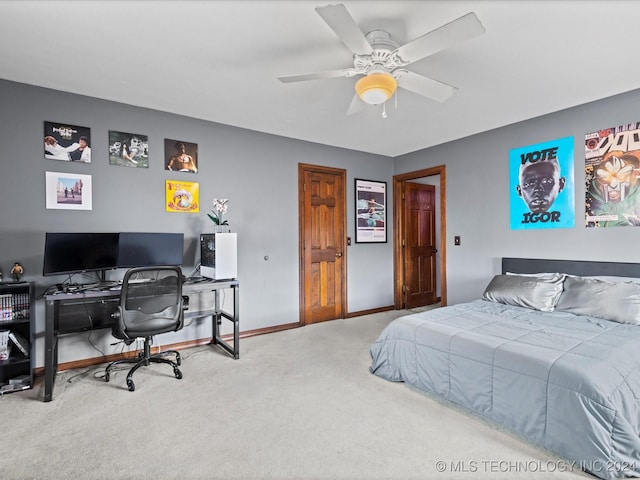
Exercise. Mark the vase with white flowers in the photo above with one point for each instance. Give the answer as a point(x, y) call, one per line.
point(220, 206)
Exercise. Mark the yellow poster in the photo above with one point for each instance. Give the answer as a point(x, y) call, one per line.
point(182, 196)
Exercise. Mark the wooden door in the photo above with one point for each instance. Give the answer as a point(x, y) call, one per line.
point(419, 243)
point(322, 243)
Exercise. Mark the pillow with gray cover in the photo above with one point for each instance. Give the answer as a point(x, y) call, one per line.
point(619, 302)
point(525, 291)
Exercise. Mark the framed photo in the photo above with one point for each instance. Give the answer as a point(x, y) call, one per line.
point(128, 149)
point(67, 142)
point(371, 211)
point(182, 197)
point(180, 156)
point(68, 191)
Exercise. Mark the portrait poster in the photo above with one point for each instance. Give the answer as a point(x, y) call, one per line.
point(371, 213)
point(541, 180)
point(182, 196)
point(612, 163)
point(128, 149)
point(68, 191)
point(180, 156)
point(67, 142)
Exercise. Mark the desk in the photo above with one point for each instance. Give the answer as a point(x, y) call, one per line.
point(91, 310)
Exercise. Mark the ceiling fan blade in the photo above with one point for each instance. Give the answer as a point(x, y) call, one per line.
point(343, 24)
point(345, 72)
point(427, 87)
point(456, 31)
point(356, 105)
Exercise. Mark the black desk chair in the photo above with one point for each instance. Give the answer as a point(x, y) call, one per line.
point(150, 304)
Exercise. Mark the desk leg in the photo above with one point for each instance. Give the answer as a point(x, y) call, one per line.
point(236, 322)
point(51, 350)
point(217, 320)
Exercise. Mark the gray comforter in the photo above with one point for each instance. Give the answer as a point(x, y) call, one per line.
point(568, 383)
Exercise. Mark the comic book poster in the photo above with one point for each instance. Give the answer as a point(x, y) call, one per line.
point(182, 196)
point(542, 185)
point(612, 160)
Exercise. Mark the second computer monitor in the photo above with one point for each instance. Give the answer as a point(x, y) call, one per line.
point(142, 249)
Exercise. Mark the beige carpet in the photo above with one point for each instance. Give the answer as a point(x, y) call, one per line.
point(298, 404)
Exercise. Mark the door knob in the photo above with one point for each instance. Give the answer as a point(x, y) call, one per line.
point(338, 255)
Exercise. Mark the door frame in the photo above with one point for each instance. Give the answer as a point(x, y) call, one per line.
point(398, 264)
point(302, 168)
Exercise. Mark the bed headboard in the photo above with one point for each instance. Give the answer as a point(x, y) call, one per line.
point(572, 267)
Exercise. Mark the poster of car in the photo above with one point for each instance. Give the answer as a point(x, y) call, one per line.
point(542, 185)
point(612, 163)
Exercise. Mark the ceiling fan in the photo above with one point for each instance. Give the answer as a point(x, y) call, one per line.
point(382, 60)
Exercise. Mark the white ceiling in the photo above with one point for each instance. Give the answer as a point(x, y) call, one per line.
point(219, 61)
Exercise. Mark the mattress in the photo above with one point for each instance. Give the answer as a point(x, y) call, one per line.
point(568, 383)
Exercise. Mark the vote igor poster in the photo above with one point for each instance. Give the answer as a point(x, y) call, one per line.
point(541, 185)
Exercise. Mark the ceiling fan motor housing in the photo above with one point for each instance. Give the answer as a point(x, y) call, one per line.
point(382, 59)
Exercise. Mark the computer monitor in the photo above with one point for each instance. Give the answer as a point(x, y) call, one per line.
point(143, 249)
point(67, 253)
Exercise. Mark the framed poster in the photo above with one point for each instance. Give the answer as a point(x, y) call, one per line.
point(182, 196)
point(128, 149)
point(67, 142)
point(612, 165)
point(371, 211)
point(68, 191)
point(180, 156)
point(541, 185)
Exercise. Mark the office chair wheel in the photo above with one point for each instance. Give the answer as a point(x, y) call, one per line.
point(177, 373)
point(131, 385)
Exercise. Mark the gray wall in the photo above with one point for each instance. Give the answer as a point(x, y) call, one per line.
point(257, 172)
point(478, 197)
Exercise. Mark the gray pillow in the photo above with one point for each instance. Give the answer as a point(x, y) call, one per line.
point(525, 291)
point(619, 302)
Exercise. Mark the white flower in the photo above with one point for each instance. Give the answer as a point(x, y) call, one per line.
point(220, 206)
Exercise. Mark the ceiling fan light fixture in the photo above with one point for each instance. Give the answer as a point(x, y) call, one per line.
point(376, 88)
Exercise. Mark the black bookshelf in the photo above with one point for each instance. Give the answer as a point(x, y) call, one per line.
point(17, 320)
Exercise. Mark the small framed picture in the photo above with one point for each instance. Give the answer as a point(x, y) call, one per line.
point(128, 149)
point(371, 211)
point(182, 197)
point(67, 142)
point(180, 156)
point(68, 191)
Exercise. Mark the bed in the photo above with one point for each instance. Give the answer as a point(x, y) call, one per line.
point(550, 352)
